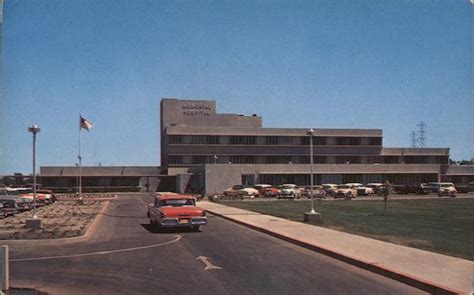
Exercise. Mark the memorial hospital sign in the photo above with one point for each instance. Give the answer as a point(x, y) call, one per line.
point(196, 109)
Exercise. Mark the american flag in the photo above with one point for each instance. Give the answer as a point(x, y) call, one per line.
point(84, 123)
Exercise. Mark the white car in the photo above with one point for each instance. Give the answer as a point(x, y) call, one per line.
point(346, 191)
point(364, 190)
point(330, 189)
point(447, 189)
point(289, 191)
point(375, 186)
point(241, 191)
point(361, 189)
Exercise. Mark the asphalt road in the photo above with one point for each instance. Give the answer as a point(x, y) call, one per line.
point(125, 257)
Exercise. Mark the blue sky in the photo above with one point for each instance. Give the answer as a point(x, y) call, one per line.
point(322, 64)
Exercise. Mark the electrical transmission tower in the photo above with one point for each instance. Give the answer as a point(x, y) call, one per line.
point(422, 134)
point(413, 139)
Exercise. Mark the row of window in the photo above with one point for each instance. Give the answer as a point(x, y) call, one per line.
point(91, 181)
point(248, 159)
point(273, 140)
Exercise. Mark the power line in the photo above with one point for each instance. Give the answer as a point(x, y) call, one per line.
point(422, 134)
point(413, 139)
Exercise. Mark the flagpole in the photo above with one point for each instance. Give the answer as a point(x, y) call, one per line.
point(79, 157)
point(86, 124)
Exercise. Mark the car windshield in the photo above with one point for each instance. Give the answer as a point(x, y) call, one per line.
point(446, 185)
point(343, 186)
point(177, 202)
point(262, 186)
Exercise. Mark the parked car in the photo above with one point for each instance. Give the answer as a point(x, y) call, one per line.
point(318, 192)
point(42, 197)
point(30, 198)
point(361, 189)
point(346, 191)
point(289, 191)
point(270, 192)
point(464, 187)
point(18, 191)
point(412, 188)
point(447, 189)
point(433, 187)
point(241, 191)
point(173, 210)
point(354, 184)
point(375, 186)
point(9, 206)
point(24, 204)
point(2, 211)
point(46, 196)
point(330, 189)
point(261, 188)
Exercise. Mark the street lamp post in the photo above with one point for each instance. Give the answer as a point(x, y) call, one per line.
point(34, 129)
point(311, 160)
point(34, 222)
point(312, 215)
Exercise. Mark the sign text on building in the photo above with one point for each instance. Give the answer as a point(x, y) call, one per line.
point(196, 109)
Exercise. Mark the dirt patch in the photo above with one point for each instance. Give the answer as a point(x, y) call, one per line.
point(63, 219)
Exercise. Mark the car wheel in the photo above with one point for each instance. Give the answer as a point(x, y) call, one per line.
point(195, 228)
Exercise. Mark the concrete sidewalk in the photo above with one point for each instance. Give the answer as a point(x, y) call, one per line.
point(432, 272)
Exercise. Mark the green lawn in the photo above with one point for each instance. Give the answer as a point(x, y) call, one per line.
point(444, 226)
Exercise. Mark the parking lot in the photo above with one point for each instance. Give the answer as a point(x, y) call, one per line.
point(345, 191)
point(358, 198)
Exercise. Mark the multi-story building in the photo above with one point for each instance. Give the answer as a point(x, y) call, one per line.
point(204, 151)
point(224, 149)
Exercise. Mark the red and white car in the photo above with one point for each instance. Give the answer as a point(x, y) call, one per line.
point(266, 190)
point(173, 210)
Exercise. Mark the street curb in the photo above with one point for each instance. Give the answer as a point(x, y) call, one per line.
point(93, 226)
point(405, 278)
